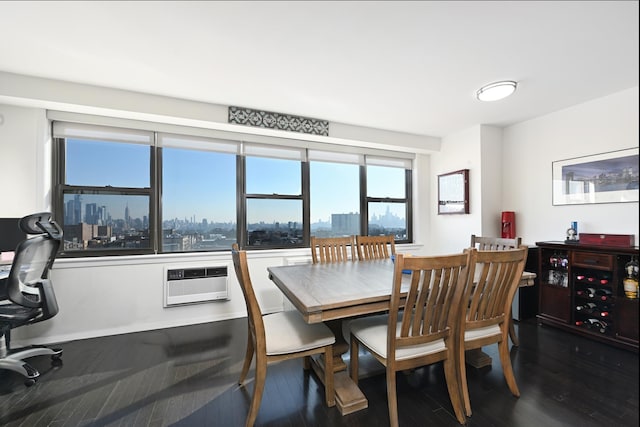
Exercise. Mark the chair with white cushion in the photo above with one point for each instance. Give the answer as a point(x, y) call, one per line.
point(493, 280)
point(278, 336)
point(424, 333)
point(483, 243)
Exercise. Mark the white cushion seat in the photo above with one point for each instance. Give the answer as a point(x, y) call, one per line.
point(372, 331)
point(487, 331)
point(287, 332)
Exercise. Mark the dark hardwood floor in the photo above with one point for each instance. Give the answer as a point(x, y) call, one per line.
point(187, 377)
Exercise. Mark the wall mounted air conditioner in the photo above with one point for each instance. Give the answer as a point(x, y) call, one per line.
point(195, 285)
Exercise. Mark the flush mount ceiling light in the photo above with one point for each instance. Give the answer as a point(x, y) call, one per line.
point(496, 91)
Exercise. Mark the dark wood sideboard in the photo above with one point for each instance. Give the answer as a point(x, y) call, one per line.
point(581, 290)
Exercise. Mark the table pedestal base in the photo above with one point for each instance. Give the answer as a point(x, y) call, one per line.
point(349, 397)
point(477, 358)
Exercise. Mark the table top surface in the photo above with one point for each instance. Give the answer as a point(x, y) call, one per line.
point(336, 290)
point(314, 288)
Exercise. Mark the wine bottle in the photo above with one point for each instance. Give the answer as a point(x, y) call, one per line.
point(630, 282)
point(591, 292)
point(603, 293)
point(598, 325)
point(603, 327)
point(586, 307)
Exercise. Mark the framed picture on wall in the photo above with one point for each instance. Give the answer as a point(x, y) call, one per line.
point(453, 192)
point(601, 178)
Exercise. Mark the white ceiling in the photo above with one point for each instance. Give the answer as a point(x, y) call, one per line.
point(403, 66)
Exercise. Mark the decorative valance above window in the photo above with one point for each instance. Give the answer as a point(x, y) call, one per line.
point(271, 120)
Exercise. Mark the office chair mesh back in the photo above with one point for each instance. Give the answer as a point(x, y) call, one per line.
point(30, 267)
point(27, 293)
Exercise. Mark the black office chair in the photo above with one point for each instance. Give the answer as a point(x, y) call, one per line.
point(26, 295)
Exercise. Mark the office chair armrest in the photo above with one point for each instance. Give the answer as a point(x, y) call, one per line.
point(3, 289)
point(47, 299)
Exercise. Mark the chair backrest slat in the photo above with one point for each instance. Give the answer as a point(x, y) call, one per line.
point(375, 247)
point(493, 281)
point(332, 249)
point(494, 243)
point(254, 314)
point(433, 297)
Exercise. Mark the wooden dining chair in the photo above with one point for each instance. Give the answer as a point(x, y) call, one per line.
point(278, 336)
point(375, 247)
point(325, 250)
point(332, 249)
point(493, 280)
point(425, 331)
point(483, 243)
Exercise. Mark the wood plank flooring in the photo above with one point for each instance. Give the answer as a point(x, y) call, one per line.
point(186, 377)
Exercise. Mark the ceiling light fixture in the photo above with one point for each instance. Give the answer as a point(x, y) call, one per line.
point(496, 91)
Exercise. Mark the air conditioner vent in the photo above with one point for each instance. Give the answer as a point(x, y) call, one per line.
point(195, 285)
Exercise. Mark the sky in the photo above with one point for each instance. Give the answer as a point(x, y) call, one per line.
point(201, 184)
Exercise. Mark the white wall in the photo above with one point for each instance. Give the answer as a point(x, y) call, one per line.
point(22, 150)
point(450, 233)
point(605, 124)
point(491, 173)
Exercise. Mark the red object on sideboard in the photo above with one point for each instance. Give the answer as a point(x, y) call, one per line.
point(508, 225)
point(616, 240)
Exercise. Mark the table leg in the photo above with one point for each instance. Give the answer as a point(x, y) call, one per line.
point(349, 397)
point(477, 358)
point(340, 347)
point(512, 334)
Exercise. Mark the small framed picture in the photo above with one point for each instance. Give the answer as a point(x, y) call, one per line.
point(453, 192)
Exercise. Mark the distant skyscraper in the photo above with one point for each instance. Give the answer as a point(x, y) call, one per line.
point(73, 210)
point(345, 224)
point(91, 213)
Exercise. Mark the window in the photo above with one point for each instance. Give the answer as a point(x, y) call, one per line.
point(198, 193)
point(388, 204)
point(273, 197)
point(146, 190)
point(335, 194)
point(104, 197)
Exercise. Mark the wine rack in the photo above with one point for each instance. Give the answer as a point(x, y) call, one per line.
point(581, 290)
point(593, 302)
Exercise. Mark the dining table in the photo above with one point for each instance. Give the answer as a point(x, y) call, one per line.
point(333, 292)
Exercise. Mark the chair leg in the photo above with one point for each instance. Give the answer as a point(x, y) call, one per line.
point(462, 378)
point(306, 363)
point(392, 398)
point(507, 370)
point(353, 359)
point(258, 389)
point(512, 334)
point(329, 387)
point(454, 389)
point(247, 359)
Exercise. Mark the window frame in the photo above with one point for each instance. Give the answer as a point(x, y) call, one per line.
point(365, 199)
point(60, 188)
point(154, 191)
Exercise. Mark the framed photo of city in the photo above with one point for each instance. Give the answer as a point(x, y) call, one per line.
point(601, 178)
